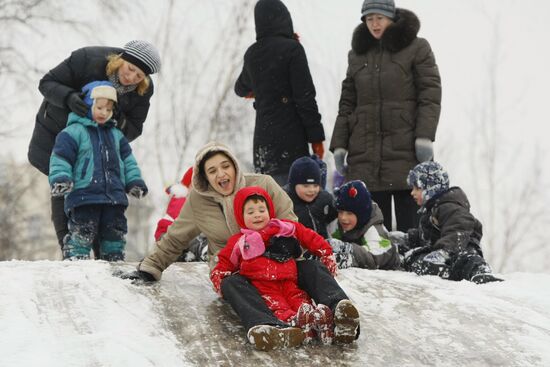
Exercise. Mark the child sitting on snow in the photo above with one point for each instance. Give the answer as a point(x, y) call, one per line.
point(198, 247)
point(264, 252)
point(313, 206)
point(361, 239)
point(92, 164)
point(447, 241)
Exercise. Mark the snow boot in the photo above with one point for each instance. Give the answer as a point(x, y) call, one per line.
point(483, 278)
point(324, 324)
point(305, 319)
point(482, 274)
point(346, 322)
point(268, 337)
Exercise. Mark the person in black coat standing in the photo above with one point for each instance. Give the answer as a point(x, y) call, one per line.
point(276, 74)
point(127, 68)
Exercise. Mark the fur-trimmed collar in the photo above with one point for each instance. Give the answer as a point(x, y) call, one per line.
point(396, 37)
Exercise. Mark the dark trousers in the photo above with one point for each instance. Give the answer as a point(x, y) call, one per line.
point(406, 215)
point(106, 223)
point(313, 277)
point(461, 266)
point(61, 223)
point(59, 219)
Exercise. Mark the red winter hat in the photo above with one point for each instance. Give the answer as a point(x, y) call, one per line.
point(187, 177)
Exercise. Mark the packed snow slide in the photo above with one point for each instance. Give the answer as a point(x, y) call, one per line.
point(78, 314)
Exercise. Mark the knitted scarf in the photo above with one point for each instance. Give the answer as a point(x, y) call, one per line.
point(121, 89)
point(251, 244)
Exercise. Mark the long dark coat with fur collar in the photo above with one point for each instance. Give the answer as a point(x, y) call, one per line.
point(390, 97)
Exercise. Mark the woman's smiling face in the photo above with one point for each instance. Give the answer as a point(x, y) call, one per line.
point(220, 173)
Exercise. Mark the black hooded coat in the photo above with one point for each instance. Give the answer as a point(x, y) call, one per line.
point(276, 73)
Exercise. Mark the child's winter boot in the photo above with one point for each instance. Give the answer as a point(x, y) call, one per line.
point(305, 319)
point(346, 322)
point(268, 337)
point(483, 274)
point(324, 323)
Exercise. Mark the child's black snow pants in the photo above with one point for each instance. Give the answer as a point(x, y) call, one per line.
point(107, 223)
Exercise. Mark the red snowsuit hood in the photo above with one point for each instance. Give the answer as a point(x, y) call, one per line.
point(242, 195)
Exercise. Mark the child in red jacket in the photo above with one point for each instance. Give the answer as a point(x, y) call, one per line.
point(178, 193)
point(264, 252)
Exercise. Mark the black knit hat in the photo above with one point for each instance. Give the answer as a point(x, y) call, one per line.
point(354, 197)
point(304, 170)
point(143, 55)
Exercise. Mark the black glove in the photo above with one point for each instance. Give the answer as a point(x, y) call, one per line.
point(413, 237)
point(138, 192)
point(76, 104)
point(136, 276)
point(61, 188)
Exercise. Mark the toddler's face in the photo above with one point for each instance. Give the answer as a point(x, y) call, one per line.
point(307, 192)
point(416, 193)
point(347, 220)
point(102, 110)
point(255, 214)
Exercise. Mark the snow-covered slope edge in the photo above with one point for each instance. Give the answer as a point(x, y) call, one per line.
point(77, 314)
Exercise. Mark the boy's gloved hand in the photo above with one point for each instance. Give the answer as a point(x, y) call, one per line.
point(138, 191)
point(318, 149)
point(330, 262)
point(340, 160)
point(61, 188)
point(76, 104)
point(424, 149)
point(216, 277)
point(400, 240)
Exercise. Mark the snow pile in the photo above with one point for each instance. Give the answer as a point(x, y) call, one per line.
point(77, 314)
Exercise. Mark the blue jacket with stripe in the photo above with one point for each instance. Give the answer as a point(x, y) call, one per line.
point(98, 159)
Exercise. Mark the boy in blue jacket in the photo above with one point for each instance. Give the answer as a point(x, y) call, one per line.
point(92, 164)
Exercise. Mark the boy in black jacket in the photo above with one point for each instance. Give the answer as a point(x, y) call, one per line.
point(447, 241)
point(313, 206)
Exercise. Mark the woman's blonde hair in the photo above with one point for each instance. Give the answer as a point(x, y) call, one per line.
point(115, 62)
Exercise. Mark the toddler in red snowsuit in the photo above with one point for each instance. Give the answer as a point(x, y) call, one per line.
point(264, 252)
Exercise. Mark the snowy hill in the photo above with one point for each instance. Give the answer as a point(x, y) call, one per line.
point(77, 314)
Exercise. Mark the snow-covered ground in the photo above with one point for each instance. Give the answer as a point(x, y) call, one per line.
point(78, 314)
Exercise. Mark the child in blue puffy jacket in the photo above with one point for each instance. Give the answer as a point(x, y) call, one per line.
point(92, 164)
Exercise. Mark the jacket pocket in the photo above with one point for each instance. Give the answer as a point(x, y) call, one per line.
point(84, 168)
point(402, 130)
point(357, 139)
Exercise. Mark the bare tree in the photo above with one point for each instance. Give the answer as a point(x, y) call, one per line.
point(509, 225)
point(25, 232)
point(195, 88)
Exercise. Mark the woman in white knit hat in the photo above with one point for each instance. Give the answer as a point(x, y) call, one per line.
point(127, 68)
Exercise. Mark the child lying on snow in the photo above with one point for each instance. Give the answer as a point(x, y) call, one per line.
point(447, 241)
